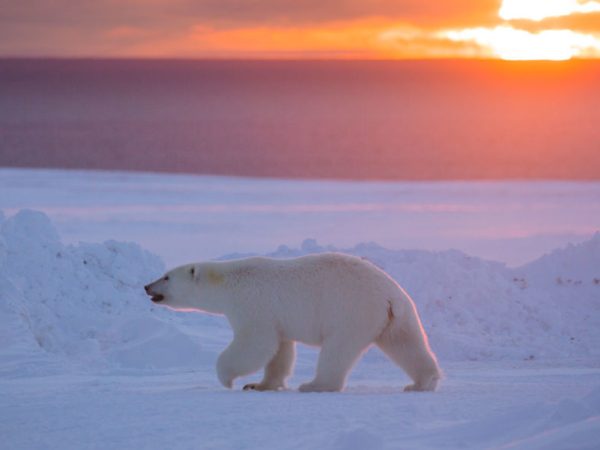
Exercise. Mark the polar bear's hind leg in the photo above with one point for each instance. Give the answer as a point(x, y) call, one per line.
point(407, 346)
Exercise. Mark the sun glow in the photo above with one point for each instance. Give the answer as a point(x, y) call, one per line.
point(541, 9)
point(511, 44)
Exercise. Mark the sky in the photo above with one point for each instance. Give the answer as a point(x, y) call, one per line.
point(355, 29)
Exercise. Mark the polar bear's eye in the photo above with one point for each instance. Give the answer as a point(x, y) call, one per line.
point(192, 270)
point(166, 278)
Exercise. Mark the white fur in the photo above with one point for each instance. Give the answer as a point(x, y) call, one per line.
point(338, 302)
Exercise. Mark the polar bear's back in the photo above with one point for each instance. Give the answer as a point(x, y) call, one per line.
point(318, 274)
point(306, 295)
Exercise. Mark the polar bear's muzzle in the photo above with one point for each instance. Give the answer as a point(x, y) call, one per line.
point(155, 297)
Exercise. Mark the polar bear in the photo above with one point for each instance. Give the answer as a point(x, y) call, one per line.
point(339, 302)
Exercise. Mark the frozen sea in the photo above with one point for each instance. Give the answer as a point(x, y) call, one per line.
point(505, 276)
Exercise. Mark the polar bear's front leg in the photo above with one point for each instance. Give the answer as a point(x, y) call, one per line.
point(247, 353)
point(278, 369)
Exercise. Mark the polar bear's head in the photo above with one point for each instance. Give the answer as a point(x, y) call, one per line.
point(177, 289)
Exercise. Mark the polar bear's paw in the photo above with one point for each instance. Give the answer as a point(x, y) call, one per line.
point(263, 387)
point(427, 386)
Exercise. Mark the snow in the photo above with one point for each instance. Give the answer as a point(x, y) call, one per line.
point(88, 361)
point(478, 407)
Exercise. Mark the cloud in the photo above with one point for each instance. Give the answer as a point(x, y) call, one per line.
point(540, 9)
point(584, 23)
point(119, 27)
point(236, 13)
point(271, 28)
point(345, 39)
point(301, 12)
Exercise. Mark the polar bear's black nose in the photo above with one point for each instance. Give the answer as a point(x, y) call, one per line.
point(147, 289)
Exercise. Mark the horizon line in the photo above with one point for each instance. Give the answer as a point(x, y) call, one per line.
point(285, 59)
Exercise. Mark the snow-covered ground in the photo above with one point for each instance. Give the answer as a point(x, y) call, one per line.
point(87, 361)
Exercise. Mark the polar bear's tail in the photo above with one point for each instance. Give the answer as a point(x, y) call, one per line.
point(405, 342)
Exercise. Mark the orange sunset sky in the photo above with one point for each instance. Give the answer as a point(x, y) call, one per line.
point(506, 29)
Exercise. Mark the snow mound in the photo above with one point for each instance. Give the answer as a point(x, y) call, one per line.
point(576, 264)
point(85, 302)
